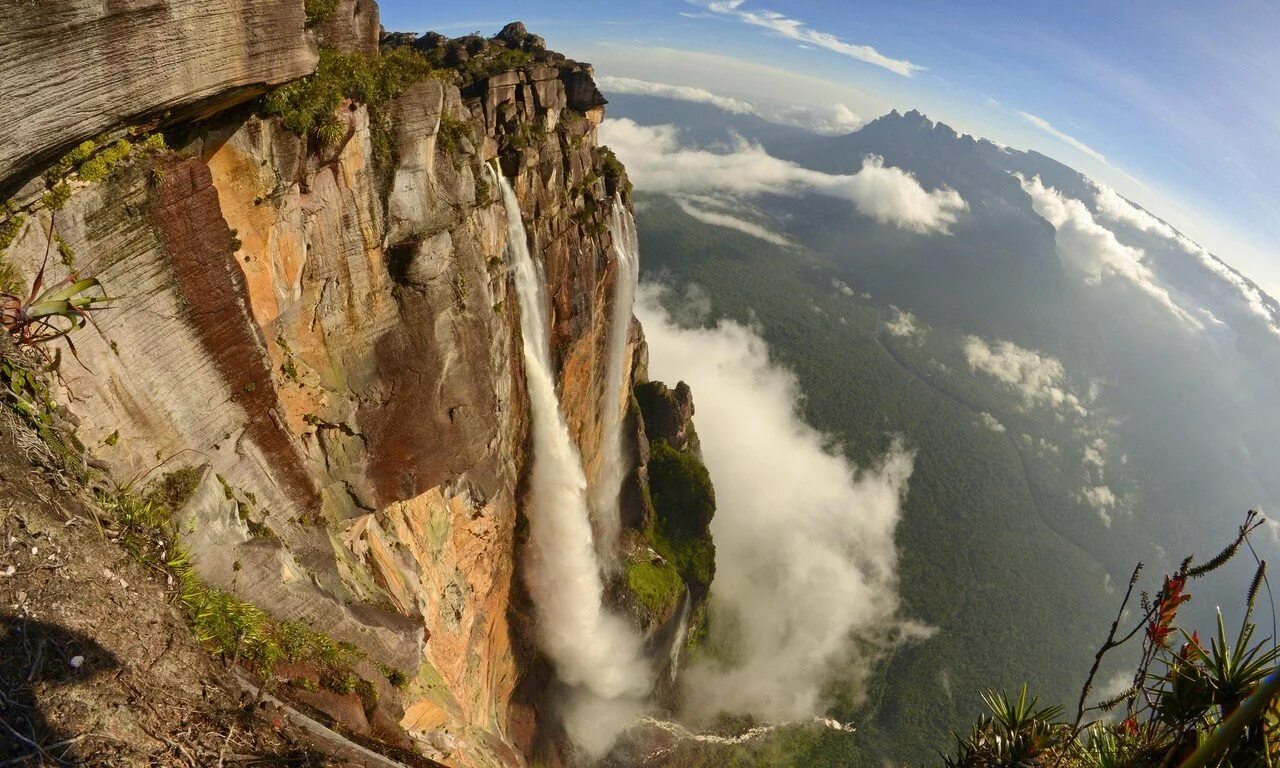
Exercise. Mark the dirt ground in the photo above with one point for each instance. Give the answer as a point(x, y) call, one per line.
point(96, 666)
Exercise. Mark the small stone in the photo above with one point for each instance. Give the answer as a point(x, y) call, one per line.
point(9, 570)
point(76, 662)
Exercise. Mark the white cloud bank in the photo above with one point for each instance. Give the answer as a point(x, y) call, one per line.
point(1092, 249)
point(637, 87)
point(657, 162)
point(828, 120)
point(1039, 378)
point(905, 325)
point(700, 207)
point(1113, 207)
point(794, 29)
point(991, 422)
point(833, 120)
point(806, 566)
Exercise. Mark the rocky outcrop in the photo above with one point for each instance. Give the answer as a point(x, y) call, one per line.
point(74, 69)
point(335, 342)
point(668, 414)
point(354, 26)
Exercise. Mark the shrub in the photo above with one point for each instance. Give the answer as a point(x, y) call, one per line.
point(320, 11)
point(451, 132)
point(309, 106)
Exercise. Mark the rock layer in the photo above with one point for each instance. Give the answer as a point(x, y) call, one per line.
point(76, 68)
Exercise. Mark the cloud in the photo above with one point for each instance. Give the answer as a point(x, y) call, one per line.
point(1092, 249)
point(1101, 498)
point(688, 204)
point(1113, 207)
point(657, 162)
point(1067, 139)
point(794, 29)
point(1039, 378)
point(905, 325)
point(833, 119)
point(806, 566)
point(991, 422)
point(631, 85)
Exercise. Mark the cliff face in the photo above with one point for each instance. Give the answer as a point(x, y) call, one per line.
point(332, 338)
point(76, 68)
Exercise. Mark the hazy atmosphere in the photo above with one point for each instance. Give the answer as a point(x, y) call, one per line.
point(669, 384)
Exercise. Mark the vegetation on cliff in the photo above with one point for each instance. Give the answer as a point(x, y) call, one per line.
point(679, 502)
point(310, 106)
point(684, 503)
point(1190, 703)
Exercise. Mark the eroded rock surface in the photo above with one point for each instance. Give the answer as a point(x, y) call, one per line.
point(76, 68)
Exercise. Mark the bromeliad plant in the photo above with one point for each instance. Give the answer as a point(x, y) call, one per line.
point(1190, 705)
point(51, 312)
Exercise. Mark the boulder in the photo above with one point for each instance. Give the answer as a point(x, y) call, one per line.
point(581, 91)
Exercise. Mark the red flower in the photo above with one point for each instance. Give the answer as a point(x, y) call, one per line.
point(1171, 597)
point(1185, 654)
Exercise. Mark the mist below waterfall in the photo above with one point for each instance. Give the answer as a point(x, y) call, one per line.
point(596, 654)
point(604, 496)
point(805, 592)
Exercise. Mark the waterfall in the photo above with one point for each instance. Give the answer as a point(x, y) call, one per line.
point(605, 492)
point(677, 641)
point(594, 652)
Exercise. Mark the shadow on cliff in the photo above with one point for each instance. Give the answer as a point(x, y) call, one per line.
point(35, 658)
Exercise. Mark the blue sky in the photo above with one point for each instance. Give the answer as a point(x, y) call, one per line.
point(1175, 104)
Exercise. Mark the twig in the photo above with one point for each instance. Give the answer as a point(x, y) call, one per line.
point(1110, 643)
point(35, 667)
point(39, 751)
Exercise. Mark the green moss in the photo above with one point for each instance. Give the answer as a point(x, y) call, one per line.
point(657, 587)
point(65, 252)
point(105, 161)
point(70, 161)
point(112, 439)
point(684, 503)
point(57, 196)
point(11, 227)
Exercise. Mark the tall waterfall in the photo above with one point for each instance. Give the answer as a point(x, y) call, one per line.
point(594, 651)
point(605, 491)
point(677, 640)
